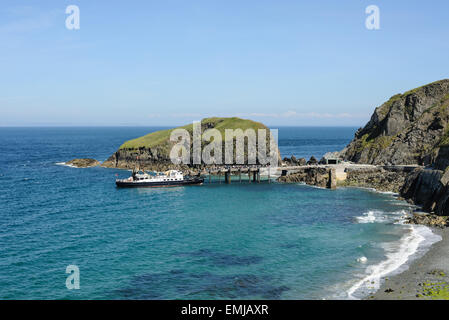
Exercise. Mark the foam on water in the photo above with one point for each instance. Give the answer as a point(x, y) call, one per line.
point(415, 242)
point(362, 259)
point(64, 164)
point(372, 216)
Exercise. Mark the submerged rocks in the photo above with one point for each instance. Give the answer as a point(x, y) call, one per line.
point(83, 163)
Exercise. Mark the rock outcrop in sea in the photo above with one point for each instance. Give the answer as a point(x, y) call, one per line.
point(83, 163)
point(152, 151)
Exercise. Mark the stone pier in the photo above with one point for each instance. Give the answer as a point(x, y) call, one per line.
point(332, 183)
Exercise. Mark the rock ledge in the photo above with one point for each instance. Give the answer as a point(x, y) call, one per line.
point(83, 163)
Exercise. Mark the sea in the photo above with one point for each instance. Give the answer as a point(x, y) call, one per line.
point(60, 224)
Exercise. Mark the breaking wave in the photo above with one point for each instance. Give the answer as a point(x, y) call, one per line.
point(414, 243)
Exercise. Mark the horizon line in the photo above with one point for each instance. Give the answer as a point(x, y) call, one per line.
point(163, 126)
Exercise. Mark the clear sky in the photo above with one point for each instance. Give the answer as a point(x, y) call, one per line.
point(170, 62)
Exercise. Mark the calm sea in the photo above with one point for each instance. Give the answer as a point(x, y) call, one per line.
point(238, 241)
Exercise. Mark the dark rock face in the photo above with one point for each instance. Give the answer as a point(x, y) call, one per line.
point(141, 158)
point(441, 159)
point(294, 161)
point(301, 162)
point(410, 128)
point(83, 163)
point(429, 189)
point(312, 161)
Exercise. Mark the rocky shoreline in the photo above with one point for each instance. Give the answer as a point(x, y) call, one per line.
point(427, 278)
point(427, 219)
point(426, 188)
point(315, 176)
point(375, 178)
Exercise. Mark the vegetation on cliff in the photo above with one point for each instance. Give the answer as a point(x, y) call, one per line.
point(161, 138)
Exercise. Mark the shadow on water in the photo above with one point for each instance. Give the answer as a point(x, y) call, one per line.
point(223, 260)
point(178, 284)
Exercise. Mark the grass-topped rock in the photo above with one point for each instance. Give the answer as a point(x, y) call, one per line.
point(152, 151)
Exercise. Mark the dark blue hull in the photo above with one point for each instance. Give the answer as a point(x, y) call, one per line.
point(132, 184)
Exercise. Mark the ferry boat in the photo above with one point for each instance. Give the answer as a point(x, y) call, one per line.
point(169, 178)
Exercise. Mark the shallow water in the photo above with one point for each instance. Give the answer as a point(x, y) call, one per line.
point(238, 241)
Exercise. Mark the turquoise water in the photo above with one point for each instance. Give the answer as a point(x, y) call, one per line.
point(238, 241)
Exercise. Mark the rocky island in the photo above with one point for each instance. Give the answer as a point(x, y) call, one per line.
point(152, 151)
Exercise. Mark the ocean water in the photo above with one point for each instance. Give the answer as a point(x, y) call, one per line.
point(215, 241)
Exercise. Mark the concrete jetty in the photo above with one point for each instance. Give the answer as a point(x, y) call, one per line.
point(325, 175)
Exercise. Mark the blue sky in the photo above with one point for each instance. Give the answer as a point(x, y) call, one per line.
point(171, 62)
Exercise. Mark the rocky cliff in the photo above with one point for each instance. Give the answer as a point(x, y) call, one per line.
point(152, 151)
point(429, 189)
point(410, 128)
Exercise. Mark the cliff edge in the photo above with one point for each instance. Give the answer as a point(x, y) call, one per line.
point(410, 128)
